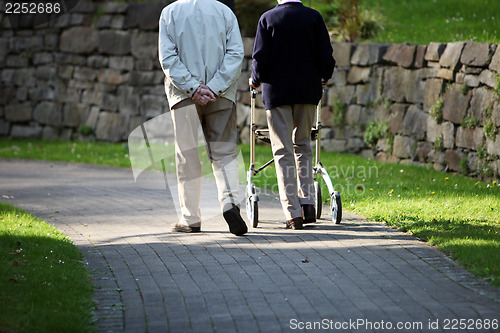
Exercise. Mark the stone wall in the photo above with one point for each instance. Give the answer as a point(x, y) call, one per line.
point(93, 74)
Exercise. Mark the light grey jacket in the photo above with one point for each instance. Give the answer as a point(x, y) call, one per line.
point(199, 43)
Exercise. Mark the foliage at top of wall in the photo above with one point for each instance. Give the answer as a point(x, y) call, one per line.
point(249, 12)
point(344, 18)
point(347, 21)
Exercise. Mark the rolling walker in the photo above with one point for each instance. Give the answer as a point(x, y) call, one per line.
point(252, 198)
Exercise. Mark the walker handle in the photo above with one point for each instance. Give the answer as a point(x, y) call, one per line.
point(254, 92)
point(252, 89)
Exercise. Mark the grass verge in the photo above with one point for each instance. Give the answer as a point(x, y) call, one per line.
point(64, 151)
point(44, 286)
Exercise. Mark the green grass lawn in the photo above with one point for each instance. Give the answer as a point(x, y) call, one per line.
point(459, 215)
point(44, 286)
point(425, 21)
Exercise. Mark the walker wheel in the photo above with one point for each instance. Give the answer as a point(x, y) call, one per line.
point(319, 200)
point(255, 218)
point(253, 207)
point(336, 207)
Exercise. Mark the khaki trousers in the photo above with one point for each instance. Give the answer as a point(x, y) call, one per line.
point(218, 122)
point(290, 134)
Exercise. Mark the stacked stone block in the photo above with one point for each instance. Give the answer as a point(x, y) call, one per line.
point(92, 73)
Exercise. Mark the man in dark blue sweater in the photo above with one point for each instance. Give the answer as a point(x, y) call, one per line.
point(292, 59)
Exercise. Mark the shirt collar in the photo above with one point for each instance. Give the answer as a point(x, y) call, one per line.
point(286, 1)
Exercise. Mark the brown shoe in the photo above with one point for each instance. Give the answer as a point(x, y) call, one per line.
point(185, 228)
point(295, 223)
point(309, 213)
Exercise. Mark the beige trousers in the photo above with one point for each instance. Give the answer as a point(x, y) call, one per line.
point(218, 122)
point(290, 133)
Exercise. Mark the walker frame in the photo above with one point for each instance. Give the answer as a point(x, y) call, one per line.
point(252, 197)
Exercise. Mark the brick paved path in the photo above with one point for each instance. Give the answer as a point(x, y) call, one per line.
point(272, 280)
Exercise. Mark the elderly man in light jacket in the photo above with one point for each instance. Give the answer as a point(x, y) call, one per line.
point(201, 52)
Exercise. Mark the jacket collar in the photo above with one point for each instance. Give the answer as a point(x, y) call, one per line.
point(290, 2)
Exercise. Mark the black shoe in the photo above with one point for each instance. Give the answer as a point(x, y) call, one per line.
point(185, 228)
point(236, 224)
point(309, 213)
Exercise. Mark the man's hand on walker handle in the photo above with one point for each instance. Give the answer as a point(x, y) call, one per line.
point(203, 95)
point(250, 82)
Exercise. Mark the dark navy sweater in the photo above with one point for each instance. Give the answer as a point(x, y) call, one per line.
point(292, 55)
